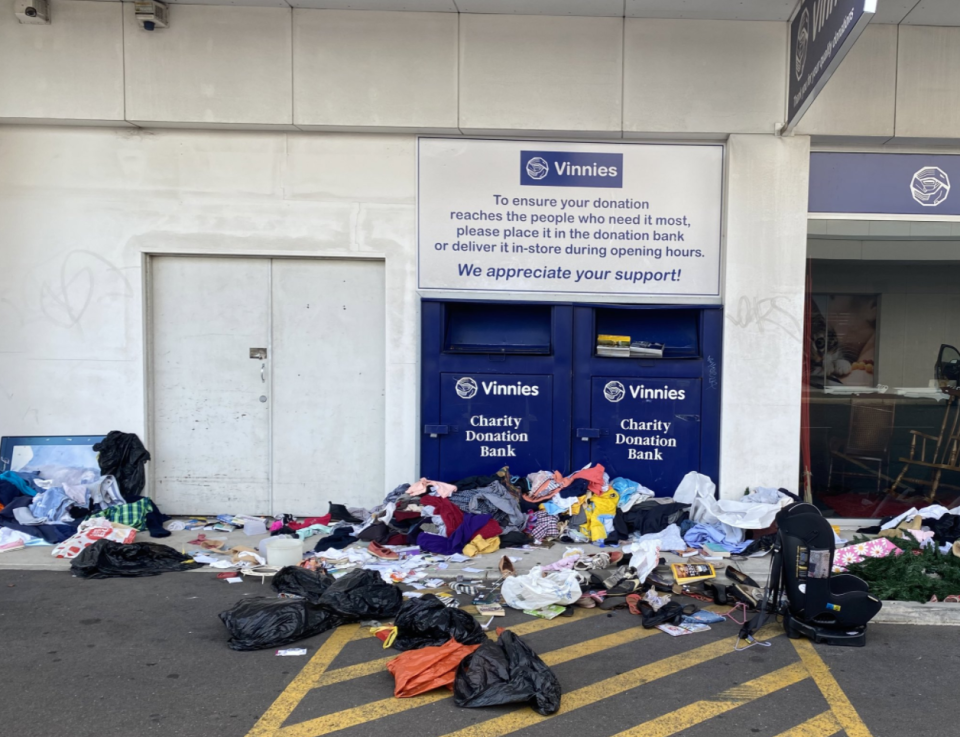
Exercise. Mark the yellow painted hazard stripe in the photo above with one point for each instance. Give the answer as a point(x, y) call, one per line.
point(701, 711)
point(304, 681)
point(840, 705)
point(380, 664)
point(590, 695)
point(525, 717)
point(386, 707)
point(822, 725)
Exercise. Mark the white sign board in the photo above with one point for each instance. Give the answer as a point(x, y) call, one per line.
point(550, 216)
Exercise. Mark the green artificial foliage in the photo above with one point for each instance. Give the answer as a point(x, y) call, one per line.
point(916, 575)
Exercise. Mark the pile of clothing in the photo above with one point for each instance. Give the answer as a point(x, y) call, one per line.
point(71, 508)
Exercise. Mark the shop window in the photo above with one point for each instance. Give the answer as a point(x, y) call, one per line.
point(879, 366)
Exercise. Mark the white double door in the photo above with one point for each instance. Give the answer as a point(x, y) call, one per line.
point(267, 392)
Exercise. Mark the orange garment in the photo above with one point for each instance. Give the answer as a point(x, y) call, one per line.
point(593, 475)
point(418, 671)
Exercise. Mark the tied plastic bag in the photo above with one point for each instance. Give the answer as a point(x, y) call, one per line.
point(418, 671)
point(108, 559)
point(506, 672)
point(428, 622)
point(260, 623)
point(536, 591)
point(362, 595)
point(91, 530)
point(299, 581)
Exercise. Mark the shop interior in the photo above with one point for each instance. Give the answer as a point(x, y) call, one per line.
point(881, 415)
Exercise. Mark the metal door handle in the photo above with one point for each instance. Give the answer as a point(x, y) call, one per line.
point(262, 367)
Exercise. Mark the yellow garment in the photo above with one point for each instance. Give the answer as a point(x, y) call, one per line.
point(479, 546)
point(598, 506)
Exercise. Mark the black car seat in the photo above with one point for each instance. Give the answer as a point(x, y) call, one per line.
point(824, 607)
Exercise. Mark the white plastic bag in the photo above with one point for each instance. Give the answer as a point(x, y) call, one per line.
point(645, 556)
point(536, 591)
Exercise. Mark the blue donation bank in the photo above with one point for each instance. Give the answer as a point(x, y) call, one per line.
point(530, 386)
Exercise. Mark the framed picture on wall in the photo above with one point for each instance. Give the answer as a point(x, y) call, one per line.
point(843, 339)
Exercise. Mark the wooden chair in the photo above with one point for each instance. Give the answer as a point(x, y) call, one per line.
point(868, 440)
point(945, 449)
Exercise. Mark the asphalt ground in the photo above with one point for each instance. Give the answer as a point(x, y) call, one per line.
point(122, 657)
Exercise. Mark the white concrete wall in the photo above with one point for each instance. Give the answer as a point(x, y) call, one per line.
point(766, 247)
point(275, 67)
point(80, 207)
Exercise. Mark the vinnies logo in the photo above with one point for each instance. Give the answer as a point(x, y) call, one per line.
point(571, 169)
point(930, 186)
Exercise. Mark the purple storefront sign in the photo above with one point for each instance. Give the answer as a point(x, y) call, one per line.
point(884, 184)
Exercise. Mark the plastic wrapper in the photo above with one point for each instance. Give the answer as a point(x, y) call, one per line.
point(427, 622)
point(418, 671)
point(506, 672)
point(302, 582)
point(260, 623)
point(109, 559)
point(362, 595)
point(536, 591)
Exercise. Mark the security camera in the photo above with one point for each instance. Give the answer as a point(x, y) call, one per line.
point(32, 12)
point(151, 14)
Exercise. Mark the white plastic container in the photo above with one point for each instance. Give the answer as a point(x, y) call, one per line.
point(284, 551)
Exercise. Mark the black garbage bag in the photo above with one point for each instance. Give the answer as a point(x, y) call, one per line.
point(109, 559)
point(308, 584)
point(427, 622)
point(123, 456)
point(506, 672)
point(362, 595)
point(259, 623)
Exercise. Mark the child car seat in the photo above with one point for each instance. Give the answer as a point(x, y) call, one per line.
point(827, 608)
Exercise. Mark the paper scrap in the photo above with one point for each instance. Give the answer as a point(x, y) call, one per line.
point(472, 570)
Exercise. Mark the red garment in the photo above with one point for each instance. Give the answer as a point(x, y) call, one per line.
point(325, 520)
point(593, 475)
point(404, 516)
point(449, 512)
point(491, 529)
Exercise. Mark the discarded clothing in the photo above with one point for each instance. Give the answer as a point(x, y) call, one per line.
point(123, 456)
point(341, 538)
point(50, 507)
point(52, 534)
point(547, 489)
point(446, 515)
point(433, 488)
point(109, 559)
point(577, 488)
point(472, 525)
point(481, 546)
point(598, 507)
point(699, 534)
point(474, 482)
point(542, 526)
point(593, 475)
point(646, 517)
point(12, 477)
point(493, 500)
point(132, 515)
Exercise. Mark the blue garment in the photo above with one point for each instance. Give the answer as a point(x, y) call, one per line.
point(51, 533)
point(17, 480)
point(471, 525)
point(50, 507)
point(701, 533)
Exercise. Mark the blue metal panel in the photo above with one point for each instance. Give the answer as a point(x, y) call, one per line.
point(447, 326)
point(649, 429)
point(495, 420)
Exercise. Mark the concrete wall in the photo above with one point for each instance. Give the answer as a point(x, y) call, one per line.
point(227, 66)
point(79, 208)
point(766, 249)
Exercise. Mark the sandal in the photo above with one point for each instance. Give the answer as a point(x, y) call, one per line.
point(740, 577)
point(633, 603)
point(506, 567)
